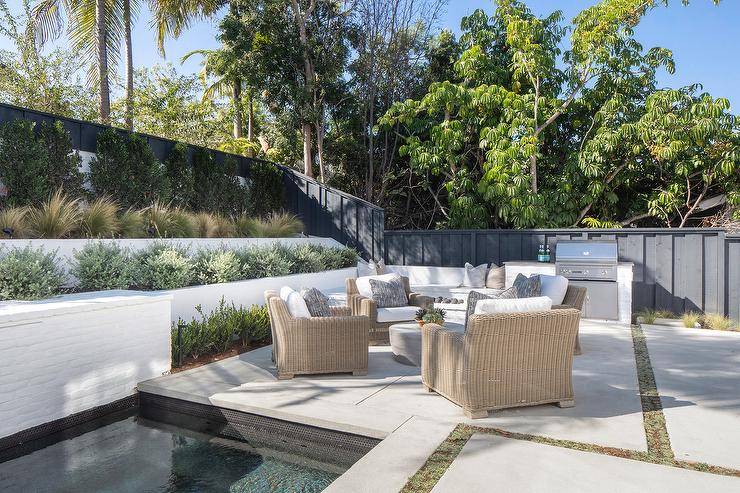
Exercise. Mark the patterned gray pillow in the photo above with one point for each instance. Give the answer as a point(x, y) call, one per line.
point(527, 287)
point(316, 301)
point(474, 297)
point(389, 294)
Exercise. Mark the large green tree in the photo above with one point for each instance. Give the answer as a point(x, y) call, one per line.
point(528, 136)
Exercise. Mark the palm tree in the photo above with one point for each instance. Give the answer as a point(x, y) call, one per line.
point(221, 78)
point(95, 28)
point(172, 17)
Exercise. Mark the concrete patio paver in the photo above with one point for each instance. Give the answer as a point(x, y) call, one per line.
point(607, 412)
point(492, 463)
point(698, 377)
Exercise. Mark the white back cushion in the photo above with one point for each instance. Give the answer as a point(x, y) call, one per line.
point(420, 275)
point(516, 305)
point(363, 283)
point(365, 269)
point(554, 287)
point(296, 304)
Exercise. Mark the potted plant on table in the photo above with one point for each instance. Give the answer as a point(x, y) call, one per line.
point(430, 316)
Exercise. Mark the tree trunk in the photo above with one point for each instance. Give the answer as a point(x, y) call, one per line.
point(370, 150)
point(307, 158)
point(320, 150)
point(236, 96)
point(129, 65)
point(250, 117)
point(100, 28)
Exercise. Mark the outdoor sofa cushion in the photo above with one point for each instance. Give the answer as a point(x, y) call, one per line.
point(554, 287)
point(474, 297)
point(389, 293)
point(496, 277)
point(397, 314)
point(294, 301)
point(527, 287)
point(516, 305)
point(363, 283)
point(316, 302)
point(475, 277)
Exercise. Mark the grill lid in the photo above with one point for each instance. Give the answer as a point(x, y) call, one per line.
point(586, 251)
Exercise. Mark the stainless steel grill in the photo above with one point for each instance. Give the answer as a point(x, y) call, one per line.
point(591, 264)
point(587, 260)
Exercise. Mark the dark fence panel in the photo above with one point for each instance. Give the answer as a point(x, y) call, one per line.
point(325, 211)
point(680, 270)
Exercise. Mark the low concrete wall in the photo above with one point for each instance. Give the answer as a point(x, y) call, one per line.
point(68, 354)
point(65, 249)
point(251, 292)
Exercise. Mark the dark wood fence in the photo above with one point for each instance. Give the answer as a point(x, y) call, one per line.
point(325, 211)
point(675, 269)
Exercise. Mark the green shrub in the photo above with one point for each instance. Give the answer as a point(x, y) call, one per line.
point(99, 266)
point(35, 161)
point(214, 266)
point(338, 258)
point(162, 267)
point(216, 188)
point(29, 274)
point(126, 170)
point(180, 176)
point(219, 330)
point(272, 261)
point(309, 258)
point(266, 182)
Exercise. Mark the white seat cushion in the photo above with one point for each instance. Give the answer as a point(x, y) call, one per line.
point(426, 275)
point(397, 314)
point(554, 287)
point(363, 283)
point(515, 305)
point(296, 304)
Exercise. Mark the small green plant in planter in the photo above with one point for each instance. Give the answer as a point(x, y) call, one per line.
point(691, 319)
point(430, 316)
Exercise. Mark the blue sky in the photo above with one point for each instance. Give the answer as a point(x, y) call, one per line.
point(704, 38)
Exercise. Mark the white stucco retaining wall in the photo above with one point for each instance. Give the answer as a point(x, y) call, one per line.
point(71, 353)
point(251, 292)
point(65, 249)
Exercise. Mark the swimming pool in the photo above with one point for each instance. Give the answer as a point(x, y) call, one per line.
point(135, 454)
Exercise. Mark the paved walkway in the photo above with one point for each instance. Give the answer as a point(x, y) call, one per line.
point(391, 404)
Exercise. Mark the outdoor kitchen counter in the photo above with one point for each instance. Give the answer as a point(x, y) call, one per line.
point(624, 281)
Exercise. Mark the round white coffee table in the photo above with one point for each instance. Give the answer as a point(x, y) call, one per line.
point(405, 338)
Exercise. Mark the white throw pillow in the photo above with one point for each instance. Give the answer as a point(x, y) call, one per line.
point(516, 305)
point(365, 269)
point(554, 287)
point(296, 304)
point(363, 283)
point(475, 277)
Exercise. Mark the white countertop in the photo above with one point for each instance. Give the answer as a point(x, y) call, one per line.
point(532, 263)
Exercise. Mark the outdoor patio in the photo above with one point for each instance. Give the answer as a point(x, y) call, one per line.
point(695, 372)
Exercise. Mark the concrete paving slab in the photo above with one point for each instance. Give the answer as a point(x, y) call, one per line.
point(388, 466)
point(607, 412)
point(698, 377)
point(375, 423)
point(491, 463)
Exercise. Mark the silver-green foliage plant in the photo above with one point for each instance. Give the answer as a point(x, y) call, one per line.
point(163, 267)
point(309, 258)
point(99, 266)
point(29, 274)
point(273, 261)
point(214, 266)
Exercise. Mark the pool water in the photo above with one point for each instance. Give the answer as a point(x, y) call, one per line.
point(137, 455)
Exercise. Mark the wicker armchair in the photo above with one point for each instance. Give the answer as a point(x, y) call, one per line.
point(334, 344)
point(574, 298)
point(502, 360)
point(361, 305)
